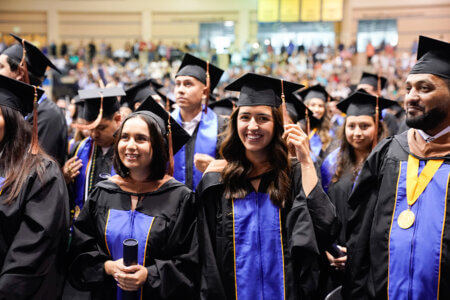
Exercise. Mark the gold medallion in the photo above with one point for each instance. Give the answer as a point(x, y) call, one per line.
point(406, 219)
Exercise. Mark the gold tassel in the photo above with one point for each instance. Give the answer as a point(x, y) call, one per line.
point(97, 120)
point(377, 117)
point(283, 105)
point(208, 86)
point(169, 138)
point(34, 138)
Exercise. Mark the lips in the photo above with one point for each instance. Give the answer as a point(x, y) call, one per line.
point(130, 156)
point(252, 137)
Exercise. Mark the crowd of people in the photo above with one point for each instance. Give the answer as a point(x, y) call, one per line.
point(160, 175)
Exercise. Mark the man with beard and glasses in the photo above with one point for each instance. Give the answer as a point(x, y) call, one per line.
point(399, 234)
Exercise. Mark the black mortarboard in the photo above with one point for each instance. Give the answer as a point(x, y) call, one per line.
point(297, 109)
point(161, 116)
point(37, 62)
point(362, 103)
point(196, 67)
point(140, 91)
point(372, 79)
point(92, 99)
point(224, 106)
point(261, 90)
point(17, 95)
point(433, 57)
point(315, 91)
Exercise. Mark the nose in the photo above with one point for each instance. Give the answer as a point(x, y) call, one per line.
point(412, 95)
point(357, 131)
point(252, 125)
point(179, 89)
point(131, 144)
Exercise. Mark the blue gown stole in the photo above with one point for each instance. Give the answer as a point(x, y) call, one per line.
point(414, 268)
point(258, 248)
point(205, 142)
point(83, 182)
point(316, 146)
point(328, 168)
point(124, 224)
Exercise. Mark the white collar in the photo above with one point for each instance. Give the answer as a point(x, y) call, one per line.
point(428, 138)
point(192, 124)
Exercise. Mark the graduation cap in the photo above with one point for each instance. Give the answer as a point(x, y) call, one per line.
point(36, 61)
point(297, 110)
point(362, 103)
point(140, 91)
point(175, 134)
point(99, 103)
point(433, 57)
point(18, 95)
point(315, 91)
point(376, 81)
point(206, 73)
point(224, 106)
point(263, 90)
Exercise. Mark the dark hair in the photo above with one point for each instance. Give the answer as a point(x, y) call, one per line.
point(346, 159)
point(160, 152)
point(238, 167)
point(34, 79)
point(16, 160)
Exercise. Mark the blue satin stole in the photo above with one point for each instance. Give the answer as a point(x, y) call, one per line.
point(205, 143)
point(258, 248)
point(316, 146)
point(85, 152)
point(125, 224)
point(415, 253)
point(328, 168)
point(2, 180)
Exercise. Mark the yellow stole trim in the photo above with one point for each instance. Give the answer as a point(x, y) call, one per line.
point(282, 255)
point(312, 133)
point(416, 185)
point(145, 250)
point(106, 226)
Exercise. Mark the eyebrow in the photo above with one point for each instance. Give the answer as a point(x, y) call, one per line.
point(258, 114)
point(420, 82)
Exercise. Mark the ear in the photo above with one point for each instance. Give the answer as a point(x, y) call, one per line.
point(117, 117)
point(19, 74)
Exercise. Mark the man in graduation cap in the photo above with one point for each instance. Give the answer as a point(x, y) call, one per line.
point(374, 84)
point(398, 236)
point(194, 82)
point(92, 159)
point(52, 127)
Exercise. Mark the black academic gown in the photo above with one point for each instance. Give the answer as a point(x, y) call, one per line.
point(171, 257)
point(307, 223)
point(373, 201)
point(33, 237)
point(52, 130)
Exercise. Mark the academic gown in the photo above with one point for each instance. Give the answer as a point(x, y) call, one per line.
point(34, 236)
point(277, 266)
point(384, 259)
point(52, 129)
point(164, 223)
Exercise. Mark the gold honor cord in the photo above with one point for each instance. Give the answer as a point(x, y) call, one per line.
point(415, 187)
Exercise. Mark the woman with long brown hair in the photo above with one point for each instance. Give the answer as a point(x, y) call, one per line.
point(34, 208)
point(340, 169)
point(263, 217)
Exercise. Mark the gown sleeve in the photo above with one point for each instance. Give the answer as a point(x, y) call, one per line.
point(174, 275)
point(362, 202)
point(321, 210)
point(211, 286)
point(41, 238)
point(87, 257)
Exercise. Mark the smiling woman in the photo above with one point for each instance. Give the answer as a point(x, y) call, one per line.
point(141, 202)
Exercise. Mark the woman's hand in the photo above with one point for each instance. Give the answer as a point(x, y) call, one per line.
point(129, 278)
point(133, 278)
point(298, 142)
point(71, 169)
point(202, 161)
point(338, 263)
